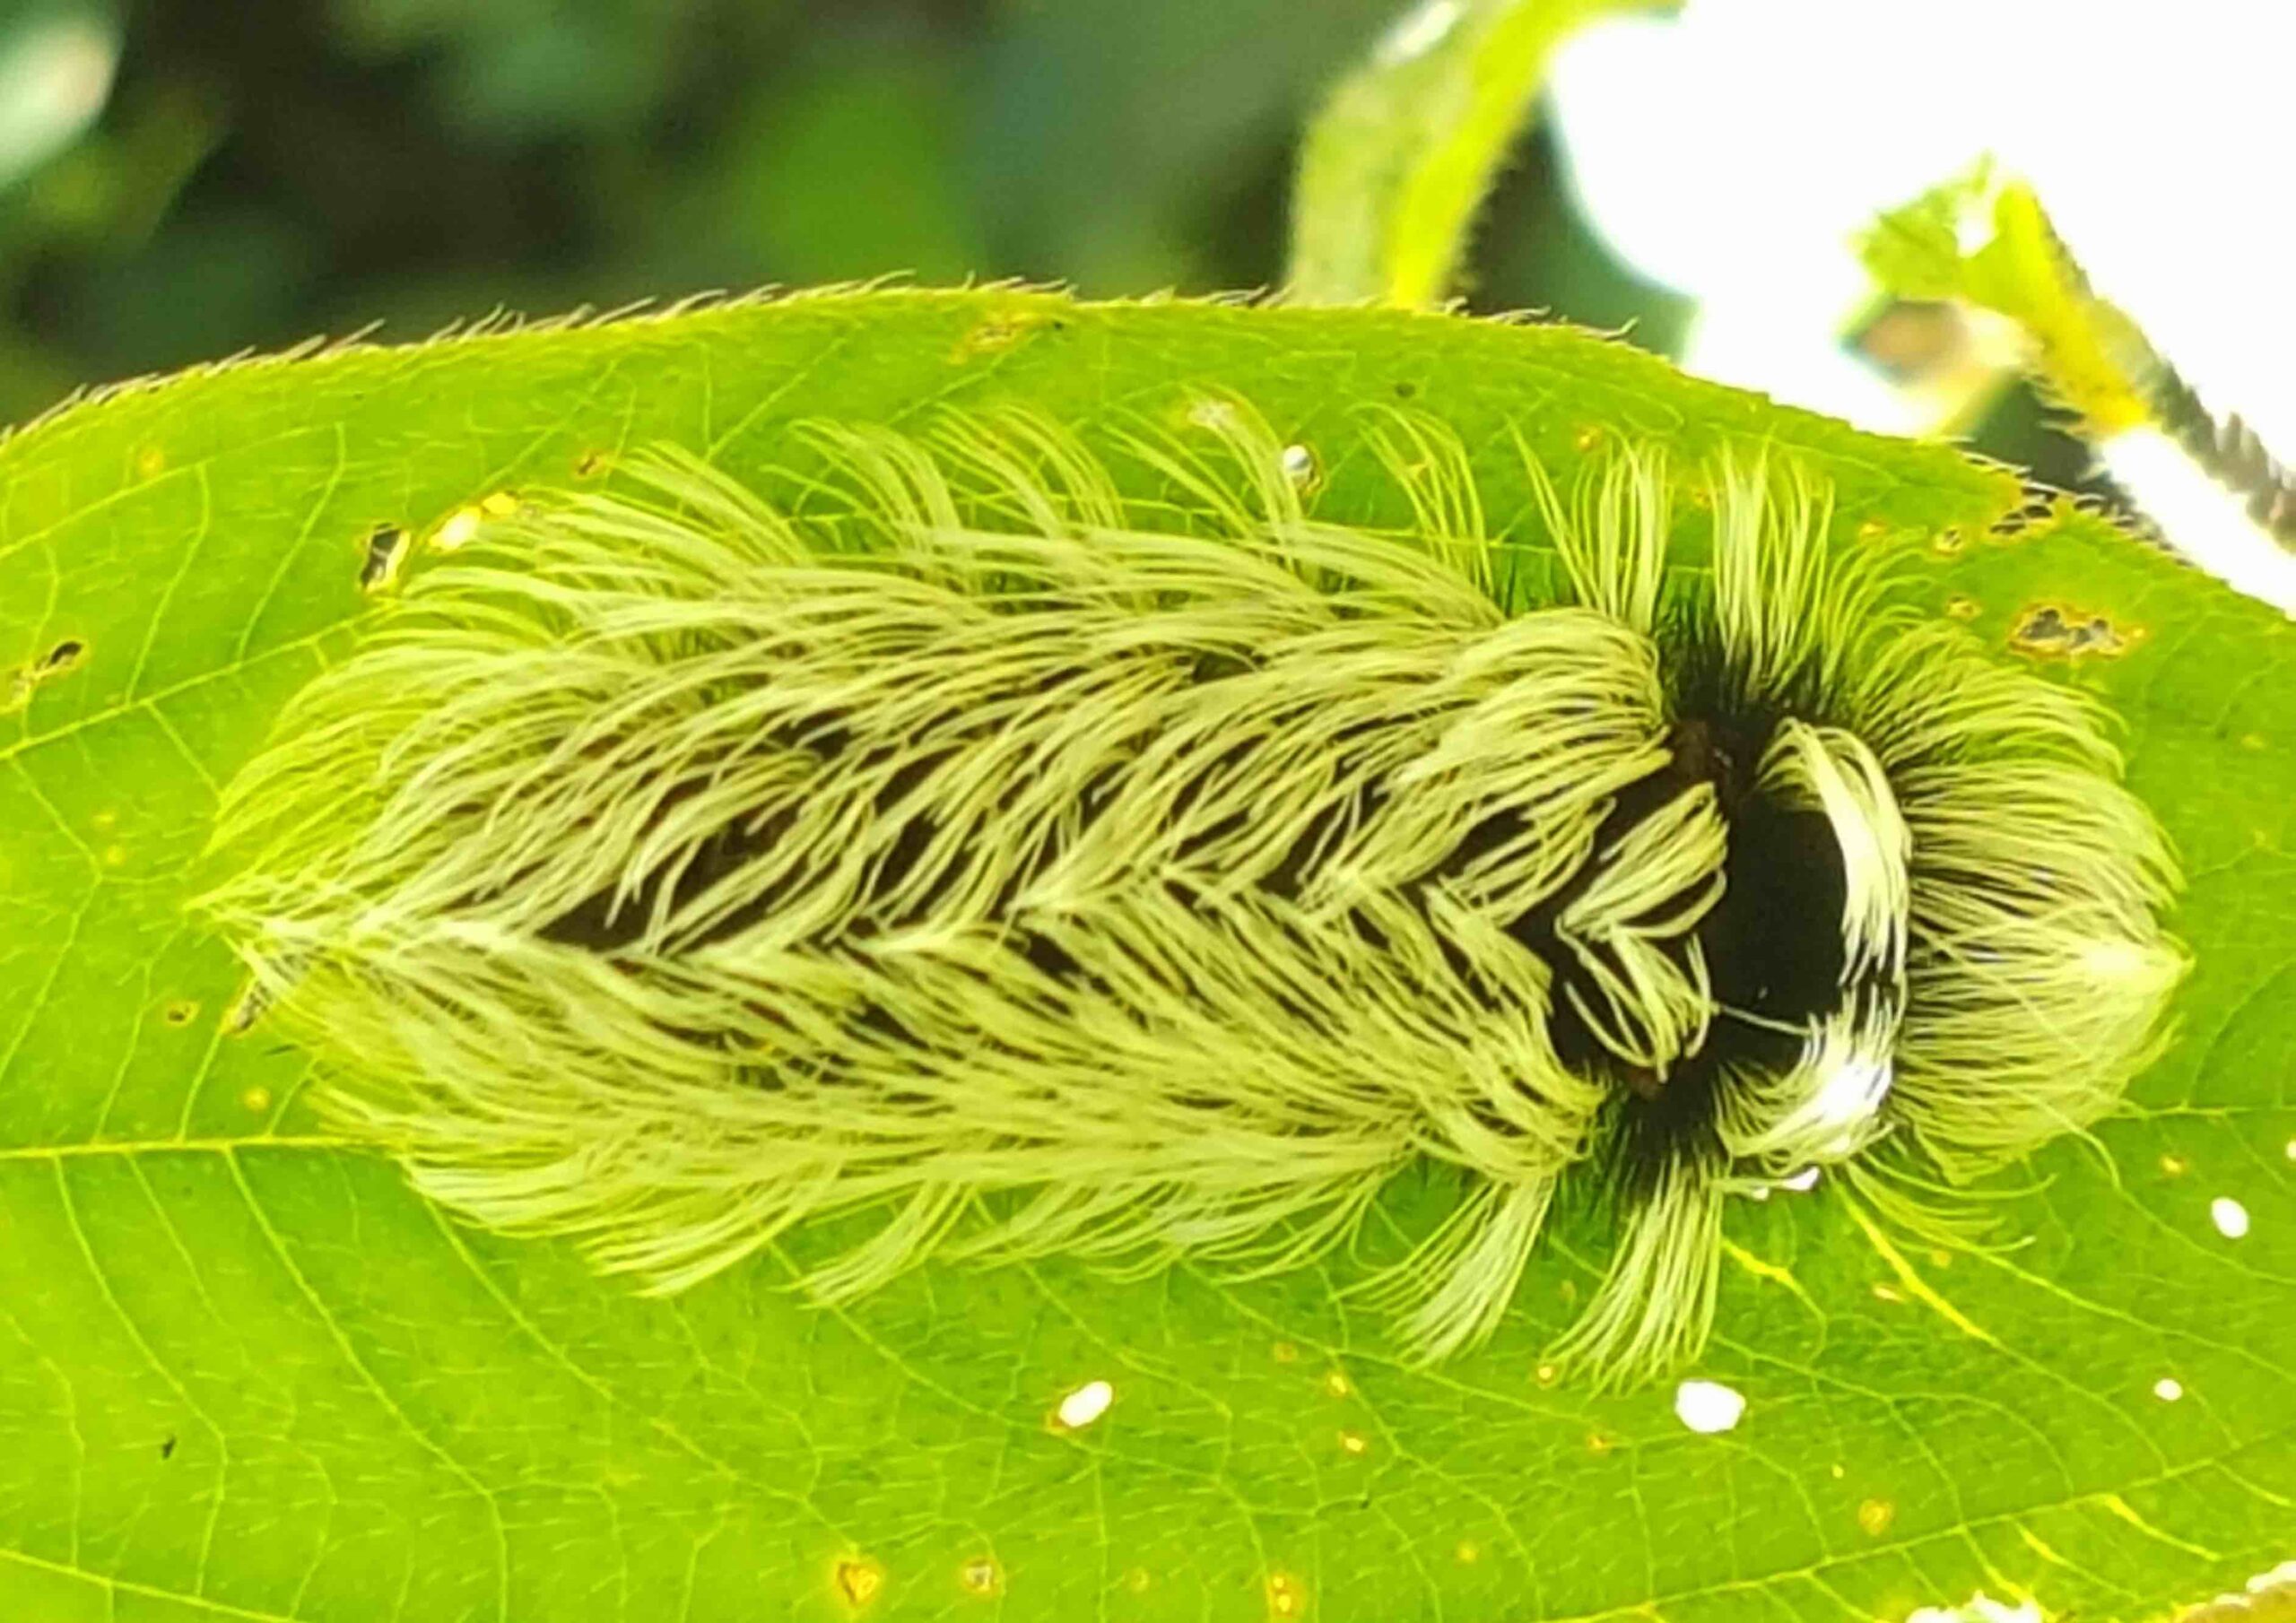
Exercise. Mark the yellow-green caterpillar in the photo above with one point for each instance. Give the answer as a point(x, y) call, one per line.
point(1056, 873)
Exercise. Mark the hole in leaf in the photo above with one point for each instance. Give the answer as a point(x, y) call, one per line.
point(2053, 631)
point(386, 552)
point(65, 657)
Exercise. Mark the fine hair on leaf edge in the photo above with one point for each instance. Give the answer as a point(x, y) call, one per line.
point(1059, 873)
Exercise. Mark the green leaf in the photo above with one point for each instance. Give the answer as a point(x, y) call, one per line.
point(1404, 148)
point(245, 1374)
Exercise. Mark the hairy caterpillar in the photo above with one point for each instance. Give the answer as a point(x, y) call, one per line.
point(1056, 873)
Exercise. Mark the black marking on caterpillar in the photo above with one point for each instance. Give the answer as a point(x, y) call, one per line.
point(670, 870)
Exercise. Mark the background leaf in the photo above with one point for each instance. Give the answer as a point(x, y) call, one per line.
point(245, 1374)
point(1406, 147)
point(2085, 352)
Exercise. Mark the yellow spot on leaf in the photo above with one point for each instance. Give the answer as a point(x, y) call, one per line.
point(1468, 1552)
point(1000, 332)
point(1961, 607)
point(857, 1580)
point(1287, 1596)
point(1285, 1352)
point(1337, 1384)
point(1874, 1516)
point(1354, 1443)
point(256, 1100)
point(981, 1577)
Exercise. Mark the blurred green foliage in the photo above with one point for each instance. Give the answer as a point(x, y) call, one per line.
point(257, 171)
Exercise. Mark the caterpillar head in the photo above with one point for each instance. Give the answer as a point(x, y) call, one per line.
point(1923, 938)
point(1056, 873)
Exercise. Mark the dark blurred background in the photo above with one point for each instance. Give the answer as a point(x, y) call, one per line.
point(181, 179)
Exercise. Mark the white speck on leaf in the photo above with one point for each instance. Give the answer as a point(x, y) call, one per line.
point(1085, 1405)
point(1708, 1406)
point(2230, 1218)
point(1981, 1608)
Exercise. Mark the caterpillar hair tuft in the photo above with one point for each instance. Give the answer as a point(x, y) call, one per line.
point(1051, 870)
